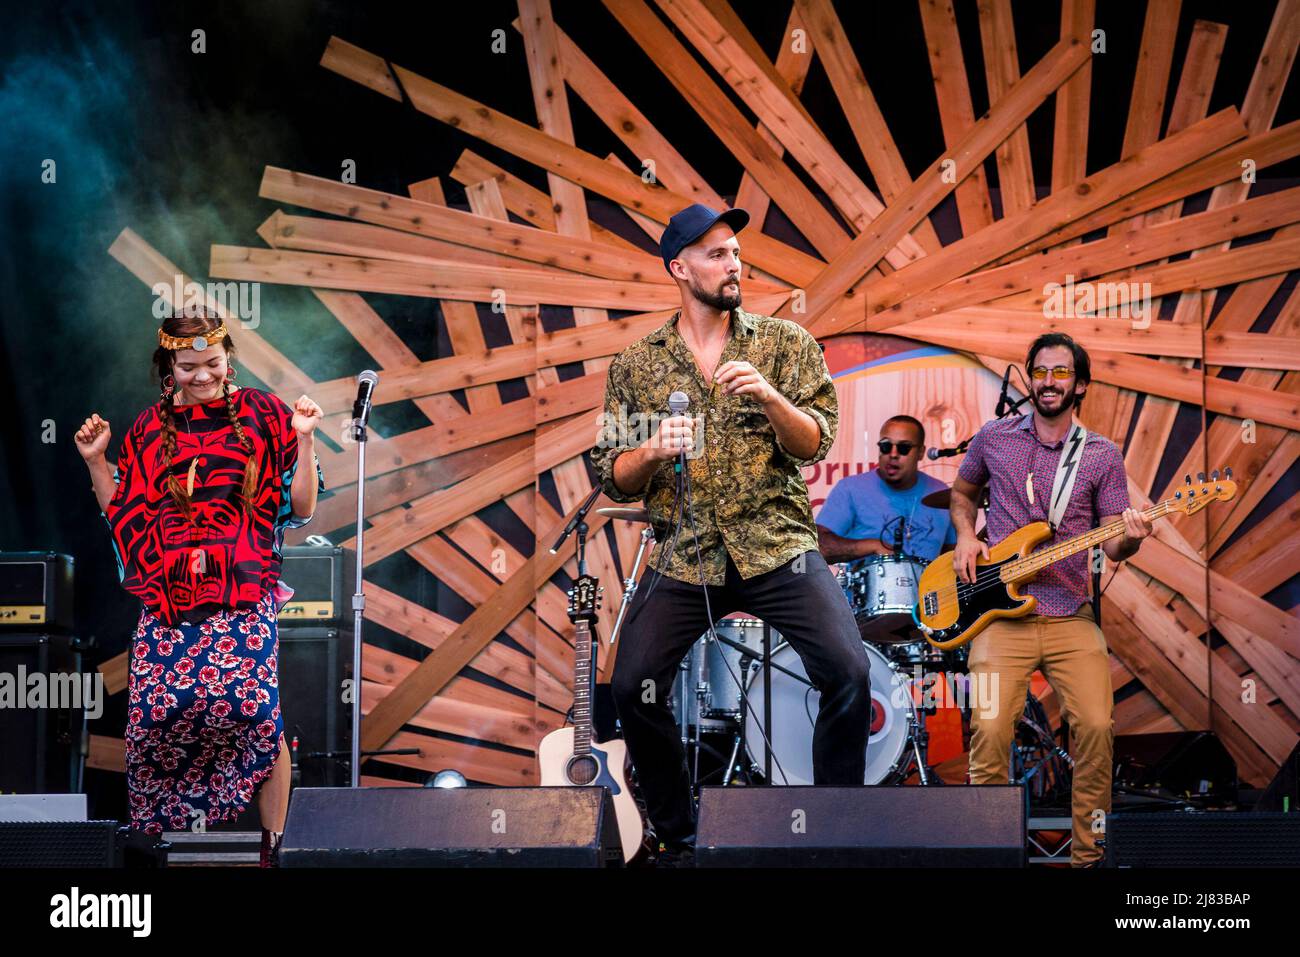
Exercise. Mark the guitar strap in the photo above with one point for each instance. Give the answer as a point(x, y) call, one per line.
point(1067, 470)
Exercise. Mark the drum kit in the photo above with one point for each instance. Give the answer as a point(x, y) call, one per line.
point(723, 706)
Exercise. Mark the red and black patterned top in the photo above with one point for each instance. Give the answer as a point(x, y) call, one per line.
point(224, 557)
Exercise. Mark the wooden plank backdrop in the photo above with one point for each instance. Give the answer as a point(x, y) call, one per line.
point(1195, 641)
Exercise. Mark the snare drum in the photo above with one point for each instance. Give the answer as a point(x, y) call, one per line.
point(882, 590)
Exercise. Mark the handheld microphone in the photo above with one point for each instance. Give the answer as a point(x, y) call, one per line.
point(366, 383)
point(678, 403)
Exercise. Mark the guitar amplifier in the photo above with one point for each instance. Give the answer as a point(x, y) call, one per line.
point(42, 713)
point(322, 578)
point(36, 590)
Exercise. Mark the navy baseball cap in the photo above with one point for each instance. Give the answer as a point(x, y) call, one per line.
point(693, 222)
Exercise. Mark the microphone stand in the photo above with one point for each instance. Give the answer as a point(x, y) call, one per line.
point(358, 596)
point(1006, 407)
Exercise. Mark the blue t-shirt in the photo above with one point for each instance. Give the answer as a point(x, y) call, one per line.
point(861, 506)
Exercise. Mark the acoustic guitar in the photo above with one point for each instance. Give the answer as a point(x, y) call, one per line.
point(951, 612)
point(571, 757)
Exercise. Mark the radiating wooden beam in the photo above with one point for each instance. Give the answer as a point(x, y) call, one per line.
point(455, 226)
point(1073, 102)
point(861, 110)
point(534, 146)
point(986, 246)
point(848, 268)
point(792, 66)
point(956, 112)
point(447, 280)
point(751, 75)
point(1002, 69)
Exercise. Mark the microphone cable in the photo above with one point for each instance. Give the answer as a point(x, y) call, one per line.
point(713, 635)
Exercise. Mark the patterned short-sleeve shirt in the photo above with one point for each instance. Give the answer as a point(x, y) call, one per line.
point(1008, 455)
point(750, 500)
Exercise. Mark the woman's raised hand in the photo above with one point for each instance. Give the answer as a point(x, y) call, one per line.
point(93, 438)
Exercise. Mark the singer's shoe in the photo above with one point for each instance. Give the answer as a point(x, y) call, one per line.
point(681, 855)
point(270, 853)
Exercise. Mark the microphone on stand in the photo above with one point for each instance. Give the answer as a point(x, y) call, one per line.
point(1003, 398)
point(933, 454)
point(366, 383)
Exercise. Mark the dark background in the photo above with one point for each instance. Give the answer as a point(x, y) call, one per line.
point(172, 144)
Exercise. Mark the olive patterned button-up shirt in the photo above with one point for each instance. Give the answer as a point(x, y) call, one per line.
point(749, 498)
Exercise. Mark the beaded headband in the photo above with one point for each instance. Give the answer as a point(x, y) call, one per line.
point(197, 343)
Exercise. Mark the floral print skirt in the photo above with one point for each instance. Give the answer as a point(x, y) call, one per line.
point(203, 722)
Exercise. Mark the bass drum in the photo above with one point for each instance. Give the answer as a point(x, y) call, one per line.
point(794, 710)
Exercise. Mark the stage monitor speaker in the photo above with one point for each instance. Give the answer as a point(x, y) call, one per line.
point(322, 578)
point(980, 826)
point(451, 827)
point(60, 844)
point(1202, 839)
point(36, 590)
point(1192, 764)
point(42, 717)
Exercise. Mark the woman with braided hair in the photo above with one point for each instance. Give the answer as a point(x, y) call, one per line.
point(206, 482)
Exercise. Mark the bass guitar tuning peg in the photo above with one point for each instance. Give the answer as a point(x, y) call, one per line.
point(1227, 473)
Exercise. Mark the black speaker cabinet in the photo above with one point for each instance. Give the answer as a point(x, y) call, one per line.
point(451, 827)
point(36, 590)
point(42, 725)
point(1202, 839)
point(322, 578)
point(313, 665)
point(861, 827)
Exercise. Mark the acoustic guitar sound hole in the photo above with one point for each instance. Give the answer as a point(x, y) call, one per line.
point(583, 769)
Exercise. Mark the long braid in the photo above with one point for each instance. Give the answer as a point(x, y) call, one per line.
point(169, 452)
point(250, 468)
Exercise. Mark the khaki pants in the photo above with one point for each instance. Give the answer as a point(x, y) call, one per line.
point(1072, 654)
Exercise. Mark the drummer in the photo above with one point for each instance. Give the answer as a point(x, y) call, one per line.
point(866, 514)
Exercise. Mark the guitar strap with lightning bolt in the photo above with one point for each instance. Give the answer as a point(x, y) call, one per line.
point(1067, 470)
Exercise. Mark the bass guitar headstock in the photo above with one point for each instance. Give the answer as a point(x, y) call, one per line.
point(1197, 495)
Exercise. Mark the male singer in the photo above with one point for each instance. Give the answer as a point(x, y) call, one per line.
point(761, 405)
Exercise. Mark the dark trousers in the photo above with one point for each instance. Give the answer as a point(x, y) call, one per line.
point(802, 601)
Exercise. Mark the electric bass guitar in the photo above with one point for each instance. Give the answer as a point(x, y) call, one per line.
point(951, 612)
point(571, 757)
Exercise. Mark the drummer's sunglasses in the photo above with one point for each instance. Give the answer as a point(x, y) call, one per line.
point(887, 446)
